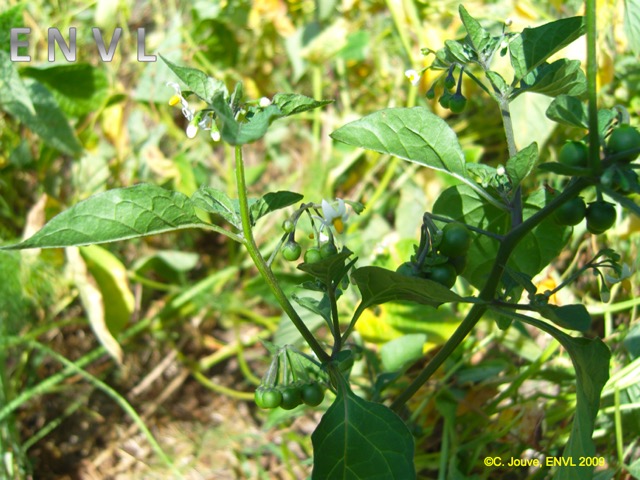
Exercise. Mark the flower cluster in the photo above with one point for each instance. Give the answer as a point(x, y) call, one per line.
point(202, 120)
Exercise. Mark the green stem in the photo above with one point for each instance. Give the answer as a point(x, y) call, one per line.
point(592, 71)
point(516, 202)
point(337, 345)
point(262, 266)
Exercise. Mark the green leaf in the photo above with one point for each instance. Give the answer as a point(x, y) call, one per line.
point(402, 351)
point(562, 169)
point(217, 202)
point(632, 24)
point(271, 202)
point(321, 307)
point(331, 269)
point(10, 18)
point(413, 134)
point(478, 36)
point(48, 121)
point(14, 96)
point(197, 81)
point(521, 165)
point(236, 133)
point(562, 77)
point(569, 110)
point(532, 254)
point(357, 439)
point(571, 317)
point(378, 285)
point(117, 214)
point(292, 103)
point(457, 51)
point(590, 358)
point(78, 88)
point(498, 81)
point(535, 45)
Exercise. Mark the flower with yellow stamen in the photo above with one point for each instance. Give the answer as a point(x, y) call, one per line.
point(174, 100)
point(334, 216)
point(413, 76)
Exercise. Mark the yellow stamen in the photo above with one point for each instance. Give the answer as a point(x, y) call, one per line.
point(174, 100)
point(338, 224)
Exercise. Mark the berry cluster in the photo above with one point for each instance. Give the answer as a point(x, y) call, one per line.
point(442, 254)
point(290, 381)
point(622, 148)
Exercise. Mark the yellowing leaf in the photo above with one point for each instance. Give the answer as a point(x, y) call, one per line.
point(111, 278)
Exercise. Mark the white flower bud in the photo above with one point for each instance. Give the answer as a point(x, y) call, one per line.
point(192, 129)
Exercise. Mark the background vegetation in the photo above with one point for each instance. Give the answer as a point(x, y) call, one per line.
point(189, 308)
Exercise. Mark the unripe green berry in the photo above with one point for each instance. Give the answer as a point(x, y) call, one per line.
point(312, 255)
point(457, 103)
point(291, 251)
point(288, 226)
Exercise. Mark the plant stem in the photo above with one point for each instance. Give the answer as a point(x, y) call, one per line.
point(592, 71)
point(262, 266)
point(516, 202)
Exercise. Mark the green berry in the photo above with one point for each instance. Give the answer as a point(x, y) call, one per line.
point(312, 394)
point(625, 138)
point(574, 154)
point(456, 240)
point(291, 251)
point(312, 255)
point(600, 217)
point(328, 250)
point(457, 103)
point(571, 213)
point(288, 226)
point(291, 397)
point(445, 99)
point(445, 274)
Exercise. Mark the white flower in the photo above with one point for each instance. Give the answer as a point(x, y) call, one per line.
point(413, 76)
point(501, 170)
point(215, 135)
point(178, 98)
point(264, 102)
point(333, 217)
point(624, 274)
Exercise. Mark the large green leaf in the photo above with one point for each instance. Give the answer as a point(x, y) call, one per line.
point(378, 285)
point(14, 96)
point(562, 77)
point(535, 45)
point(590, 358)
point(117, 214)
point(357, 439)
point(413, 134)
point(78, 88)
point(45, 119)
point(532, 254)
point(216, 201)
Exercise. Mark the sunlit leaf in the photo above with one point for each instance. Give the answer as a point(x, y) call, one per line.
point(117, 214)
point(535, 45)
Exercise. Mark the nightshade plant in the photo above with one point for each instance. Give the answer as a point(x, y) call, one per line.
point(486, 229)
